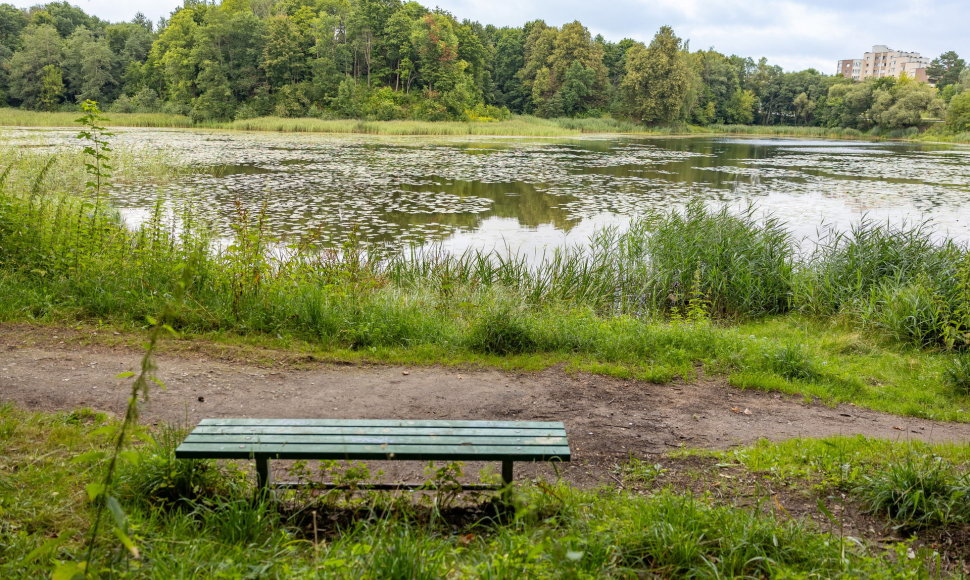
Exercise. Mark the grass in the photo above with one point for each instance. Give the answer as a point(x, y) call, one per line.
point(525, 126)
point(695, 290)
point(554, 530)
point(518, 126)
point(23, 118)
point(913, 484)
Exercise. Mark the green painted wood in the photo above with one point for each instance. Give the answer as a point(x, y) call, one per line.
point(380, 439)
point(385, 423)
point(367, 431)
point(415, 452)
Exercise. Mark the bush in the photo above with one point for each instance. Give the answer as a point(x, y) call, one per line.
point(958, 113)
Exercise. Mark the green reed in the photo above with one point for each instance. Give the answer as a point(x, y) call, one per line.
point(23, 118)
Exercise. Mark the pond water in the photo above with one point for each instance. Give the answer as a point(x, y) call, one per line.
point(531, 194)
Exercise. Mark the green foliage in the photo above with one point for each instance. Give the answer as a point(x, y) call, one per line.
point(945, 69)
point(792, 362)
point(502, 330)
point(637, 471)
point(743, 266)
point(917, 491)
point(896, 278)
point(957, 373)
point(958, 113)
point(657, 80)
point(153, 477)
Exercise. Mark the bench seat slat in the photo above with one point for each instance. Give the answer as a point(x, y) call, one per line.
point(383, 423)
point(365, 431)
point(373, 438)
point(376, 452)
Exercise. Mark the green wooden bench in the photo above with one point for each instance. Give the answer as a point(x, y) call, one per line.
point(328, 439)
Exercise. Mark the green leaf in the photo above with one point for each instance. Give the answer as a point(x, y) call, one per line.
point(69, 570)
point(128, 543)
point(125, 375)
point(826, 512)
point(89, 456)
point(47, 548)
point(121, 520)
point(95, 490)
point(151, 320)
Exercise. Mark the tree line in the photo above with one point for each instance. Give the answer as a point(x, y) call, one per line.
point(388, 59)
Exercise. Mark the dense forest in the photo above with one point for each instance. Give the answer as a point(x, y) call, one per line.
point(387, 59)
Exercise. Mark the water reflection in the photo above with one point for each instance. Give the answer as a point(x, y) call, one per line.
point(534, 193)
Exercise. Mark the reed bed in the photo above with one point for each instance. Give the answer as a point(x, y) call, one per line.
point(792, 131)
point(524, 126)
point(22, 118)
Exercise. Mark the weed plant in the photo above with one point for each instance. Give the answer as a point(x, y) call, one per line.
point(957, 374)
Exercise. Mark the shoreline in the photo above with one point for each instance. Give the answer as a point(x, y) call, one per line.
point(521, 126)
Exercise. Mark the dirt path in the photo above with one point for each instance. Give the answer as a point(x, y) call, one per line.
point(607, 419)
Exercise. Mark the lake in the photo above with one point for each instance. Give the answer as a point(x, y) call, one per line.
point(532, 194)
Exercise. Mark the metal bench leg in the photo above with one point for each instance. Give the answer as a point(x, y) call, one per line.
point(506, 472)
point(262, 473)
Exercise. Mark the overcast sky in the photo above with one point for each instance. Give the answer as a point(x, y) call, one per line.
point(795, 34)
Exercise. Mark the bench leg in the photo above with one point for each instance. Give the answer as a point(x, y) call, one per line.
point(262, 473)
point(506, 472)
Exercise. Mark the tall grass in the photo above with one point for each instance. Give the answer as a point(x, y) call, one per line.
point(792, 131)
point(517, 126)
point(22, 118)
point(896, 278)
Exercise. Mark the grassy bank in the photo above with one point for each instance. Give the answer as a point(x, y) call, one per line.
point(192, 519)
point(518, 126)
point(22, 118)
point(879, 316)
point(525, 126)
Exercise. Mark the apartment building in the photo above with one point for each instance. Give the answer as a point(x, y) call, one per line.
point(883, 61)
